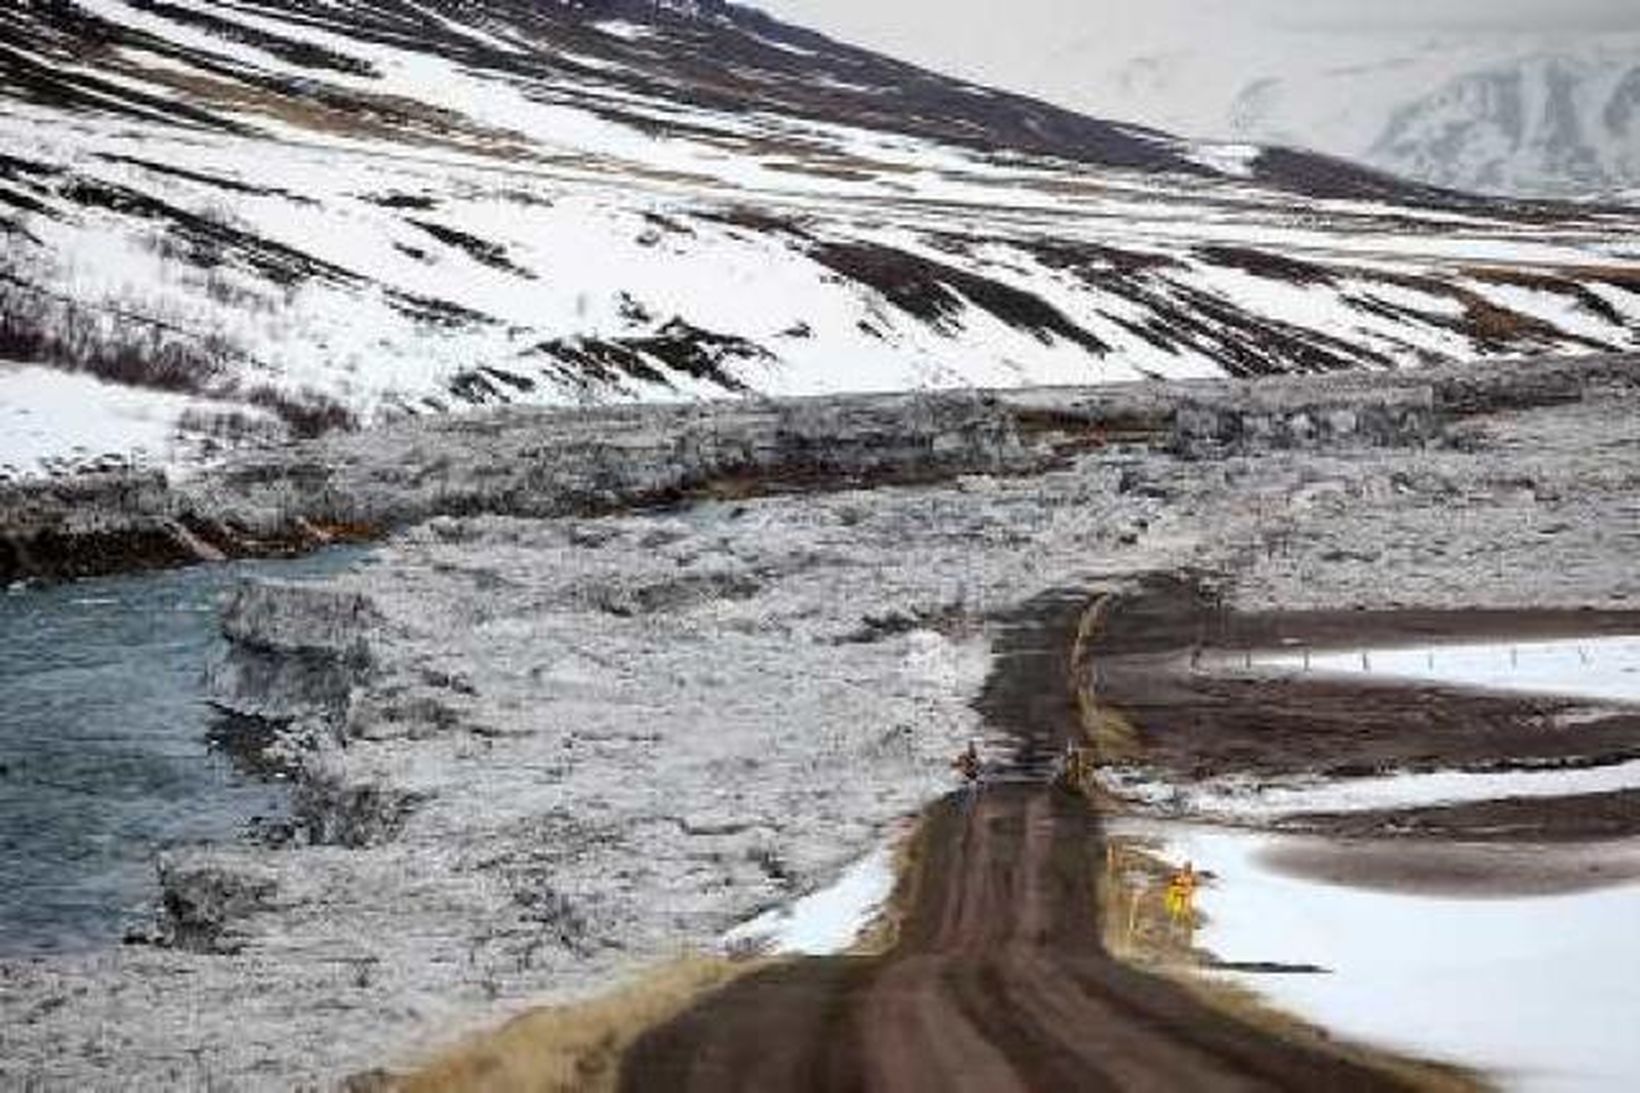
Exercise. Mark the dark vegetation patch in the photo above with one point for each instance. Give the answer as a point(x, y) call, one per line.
point(37, 327)
point(700, 353)
point(308, 413)
point(14, 168)
point(1492, 327)
point(1271, 267)
point(1588, 300)
point(435, 312)
point(1327, 177)
point(53, 86)
point(1180, 317)
point(125, 347)
point(1617, 277)
point(486, 385)
point(679, 346)
point(937, 294)
point(511, 379)
point(214, 181)
point(479, 250)
point(632, 310)
point(1094, 263)
point(666, 225)
point(764, 223)
point(206, 242)
point(402, 201)
point(1252, 345)
point(304, 54)
point(20, 200)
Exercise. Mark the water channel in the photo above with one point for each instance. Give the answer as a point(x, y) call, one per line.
point(104, 758)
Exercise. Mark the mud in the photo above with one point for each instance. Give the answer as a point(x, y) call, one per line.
point(1176, 666)
point(1432, 865)
point(1579, 818)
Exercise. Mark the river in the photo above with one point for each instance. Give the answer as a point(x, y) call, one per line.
point(104, 758)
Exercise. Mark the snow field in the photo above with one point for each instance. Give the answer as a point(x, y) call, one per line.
point(1538, 993)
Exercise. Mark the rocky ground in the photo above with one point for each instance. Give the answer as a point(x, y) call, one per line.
point(542, 737)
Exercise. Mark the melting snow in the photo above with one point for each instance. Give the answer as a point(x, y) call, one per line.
point(1604, 667)
point(1241, 799)
point(828, 921)
point(1541, 992)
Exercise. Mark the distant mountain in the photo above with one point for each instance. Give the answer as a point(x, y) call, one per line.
point(1504, 113)
point(227, 220)
point(1543, 123)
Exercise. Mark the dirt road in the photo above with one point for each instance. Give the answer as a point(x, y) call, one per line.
point(998, 980)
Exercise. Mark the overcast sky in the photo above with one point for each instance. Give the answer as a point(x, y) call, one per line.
point(988, 39)
point(907, 20)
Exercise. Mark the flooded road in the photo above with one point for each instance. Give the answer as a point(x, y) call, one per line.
point(103, 753)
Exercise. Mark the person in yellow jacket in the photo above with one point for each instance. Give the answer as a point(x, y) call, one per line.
point(1181, 895)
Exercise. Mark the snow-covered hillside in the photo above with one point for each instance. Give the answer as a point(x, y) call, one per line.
point(322, 212)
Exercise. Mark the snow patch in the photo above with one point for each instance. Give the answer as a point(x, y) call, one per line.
point(1235, 160)
point(1606, 668)
point(53, 421)
point(1540, 992)
point(829, 921)
point(626, 32)
point(1241, 799)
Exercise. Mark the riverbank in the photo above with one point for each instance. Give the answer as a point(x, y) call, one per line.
point(281, 500)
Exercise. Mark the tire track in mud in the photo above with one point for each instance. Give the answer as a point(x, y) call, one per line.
point(999, 979)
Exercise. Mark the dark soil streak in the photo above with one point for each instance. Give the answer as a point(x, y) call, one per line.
point(1156, 657)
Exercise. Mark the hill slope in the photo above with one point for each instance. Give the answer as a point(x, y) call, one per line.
point(259, 217)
